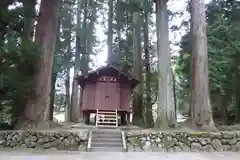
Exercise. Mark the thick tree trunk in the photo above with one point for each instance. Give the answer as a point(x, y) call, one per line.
point(110, 31)
point(137, 69)
point(50, 109)
point(165, 110)
point(75, 105)
point(67, 28)
point(200, 101)
point(45, 38)
point(148, 107)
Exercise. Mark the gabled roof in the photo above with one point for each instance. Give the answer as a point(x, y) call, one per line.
point(133, 81)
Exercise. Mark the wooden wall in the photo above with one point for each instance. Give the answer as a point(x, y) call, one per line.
point(106, 96)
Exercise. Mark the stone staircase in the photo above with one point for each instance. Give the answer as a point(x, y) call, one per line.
point(106, 140)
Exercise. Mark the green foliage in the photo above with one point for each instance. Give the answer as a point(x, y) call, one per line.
point(17, 65)
point(223, 52)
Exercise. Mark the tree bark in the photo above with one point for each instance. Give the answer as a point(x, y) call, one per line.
point(110, 31)
point(49, 114)
point(45, 38)
point(200, 101)
point(75, 103)
point(67, 96)
point(174, 95)
point(137, 69)
point(118, 20)
point(148, 106)
point(50, 109)
point(224, 110)
point(165, 110)
point(67, 28)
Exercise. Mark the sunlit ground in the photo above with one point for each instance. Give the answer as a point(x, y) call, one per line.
point(61, 118)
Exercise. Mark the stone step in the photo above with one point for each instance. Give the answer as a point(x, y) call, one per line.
point(107, 126)
point(107, 149)
point(106, 144)
point(110, 140)
point(106, 134)
point(106, 140)
point(106, 137)
point(106, 131)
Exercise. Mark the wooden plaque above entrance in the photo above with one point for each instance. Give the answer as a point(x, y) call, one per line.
point(108, 79)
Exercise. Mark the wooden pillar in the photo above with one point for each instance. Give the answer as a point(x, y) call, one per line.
point(123, 118)
point(127, 118)
point(84, 115)
point(88, 117)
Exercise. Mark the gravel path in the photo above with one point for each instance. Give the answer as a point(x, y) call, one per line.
point(58, 155)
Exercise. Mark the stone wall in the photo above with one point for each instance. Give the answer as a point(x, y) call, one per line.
point(43, 140)
point(184, 142)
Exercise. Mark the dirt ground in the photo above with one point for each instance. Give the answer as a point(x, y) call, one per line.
point(63, 155)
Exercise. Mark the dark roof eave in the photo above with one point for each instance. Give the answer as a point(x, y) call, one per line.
point(81, 77)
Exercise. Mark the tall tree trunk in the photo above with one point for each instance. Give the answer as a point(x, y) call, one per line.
point(90, 27)
point(174, 94)
point(75, 105)
point(189, 75)
point(67, 20)
point(45, 38)
point(110, 31)
point(137, 69)
point(118, 20)
point(224, 110)
point(165, 110)
point(85, 54)
point(67, 96)
point(200, 101)
point(49, 114)
point(49, 111)
point(148, 107)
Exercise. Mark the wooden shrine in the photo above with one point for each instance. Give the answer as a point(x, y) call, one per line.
point(107, 92)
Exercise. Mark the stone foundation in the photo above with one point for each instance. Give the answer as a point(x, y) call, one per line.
point(61, 140)
point(141, 142)
point(184, 142)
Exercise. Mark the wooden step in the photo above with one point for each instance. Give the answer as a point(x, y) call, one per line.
point(106, 122)
point(110, 116)
point(107, 112)
point(106, 118)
